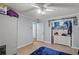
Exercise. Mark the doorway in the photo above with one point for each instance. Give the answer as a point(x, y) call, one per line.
point(38, 31)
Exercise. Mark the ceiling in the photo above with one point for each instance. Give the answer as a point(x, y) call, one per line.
point(60, 9)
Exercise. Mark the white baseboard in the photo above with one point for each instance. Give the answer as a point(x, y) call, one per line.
point(75, 47)
point(47, 42)
point(24, 45)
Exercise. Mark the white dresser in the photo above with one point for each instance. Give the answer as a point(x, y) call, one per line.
point(65, 40)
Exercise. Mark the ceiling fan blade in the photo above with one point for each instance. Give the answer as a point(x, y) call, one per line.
point(35, 6)
point(49, 10)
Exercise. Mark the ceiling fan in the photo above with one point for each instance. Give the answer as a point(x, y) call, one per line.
point(42, 8)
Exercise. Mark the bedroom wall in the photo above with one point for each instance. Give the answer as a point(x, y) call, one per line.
point(75, 42)
point(47, 35)
point(15, 32)
point(24, 31)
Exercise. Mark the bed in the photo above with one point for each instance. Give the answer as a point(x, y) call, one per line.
point(48, 51)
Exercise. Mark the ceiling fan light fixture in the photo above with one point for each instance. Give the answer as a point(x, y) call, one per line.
point(40, 11)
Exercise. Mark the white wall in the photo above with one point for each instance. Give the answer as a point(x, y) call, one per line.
point(47, 35)
point(75, 41)
point(8, 33)
point(24, 31)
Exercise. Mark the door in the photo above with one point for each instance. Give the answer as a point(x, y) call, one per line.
point(8, 33)
point(40, 32)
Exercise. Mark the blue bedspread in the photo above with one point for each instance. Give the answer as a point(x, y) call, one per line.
point(47, 51)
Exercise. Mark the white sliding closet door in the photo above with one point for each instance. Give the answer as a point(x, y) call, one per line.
point(8, 33)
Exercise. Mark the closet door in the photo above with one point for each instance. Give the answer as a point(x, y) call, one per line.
point(9, 33)
point(40, 32)
point(2, 38)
